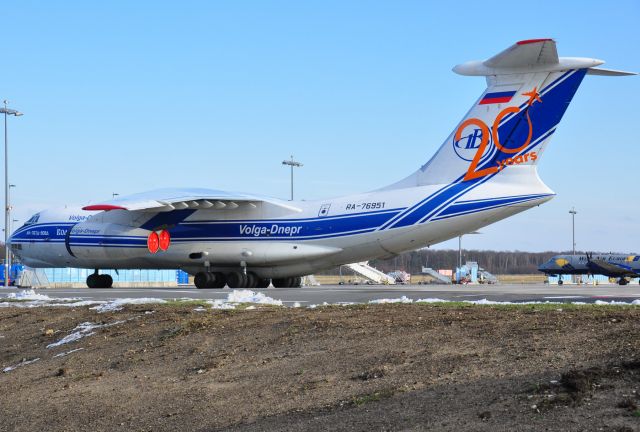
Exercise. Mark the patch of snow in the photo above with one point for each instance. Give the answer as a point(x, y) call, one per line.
point(22, 363)
point(118, 304)
point(236, 297)
point(220, 304)
point(613, 302)
point(28, 298)
point(403, 299)
point(248, 296)
point(484, 301)
point(199, 309)
point(432, 300)
point(250, 308)
point(82, 330)
point(78, 303)
point(28, 294)
point(63, 354)
point(296, 305)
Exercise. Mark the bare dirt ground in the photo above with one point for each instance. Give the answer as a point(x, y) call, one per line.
point(383, 367)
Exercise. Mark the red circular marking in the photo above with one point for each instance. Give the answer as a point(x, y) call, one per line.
point(165, 240)
point(153, 242)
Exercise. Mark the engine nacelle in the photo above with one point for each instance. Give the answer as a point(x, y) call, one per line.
point(97, 241)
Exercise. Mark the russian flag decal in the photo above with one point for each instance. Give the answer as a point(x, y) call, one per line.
point(497, 97)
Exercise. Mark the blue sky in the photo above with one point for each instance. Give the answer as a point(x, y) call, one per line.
point(125, 96)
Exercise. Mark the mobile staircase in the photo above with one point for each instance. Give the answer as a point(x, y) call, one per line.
point(440, 278)
point(486, 276)
point(370, 273)
point(310, 280)
point(33, 278)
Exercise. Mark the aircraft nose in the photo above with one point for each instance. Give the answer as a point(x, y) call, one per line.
point(549, 265)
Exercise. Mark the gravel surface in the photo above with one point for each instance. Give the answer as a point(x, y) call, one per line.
point(367, 367)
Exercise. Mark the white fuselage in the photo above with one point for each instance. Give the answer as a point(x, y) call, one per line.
point(272, 241)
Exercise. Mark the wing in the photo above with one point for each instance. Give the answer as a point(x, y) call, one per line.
point(165, 200)
point(611, 269)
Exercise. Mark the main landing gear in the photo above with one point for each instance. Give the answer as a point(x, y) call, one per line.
point(240, 279)
point(290, 282)
point(95, 280)
point(623, 281)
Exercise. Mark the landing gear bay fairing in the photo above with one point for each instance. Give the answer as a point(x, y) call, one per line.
point(485, 171)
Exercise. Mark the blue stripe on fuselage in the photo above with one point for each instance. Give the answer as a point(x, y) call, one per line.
point(279, 230)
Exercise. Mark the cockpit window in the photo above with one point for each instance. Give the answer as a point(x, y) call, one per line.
point(33, 219)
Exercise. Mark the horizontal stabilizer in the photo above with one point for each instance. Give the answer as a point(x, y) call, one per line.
point(526, 53)
point(609, 72)
point(533, 55)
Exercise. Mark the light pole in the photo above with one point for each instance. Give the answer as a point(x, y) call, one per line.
point(460, 246)
point(460, 249)
point(9, 257)
point(115, 194)
point(573, 231)
point(573, 227)
point(459, 252)
point(7, 204)
point(292, 164)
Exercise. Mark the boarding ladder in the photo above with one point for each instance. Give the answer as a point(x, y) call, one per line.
point(437, 276)
point(33, 278)
point(488, 277)
point(371, 273)
point(310, 280)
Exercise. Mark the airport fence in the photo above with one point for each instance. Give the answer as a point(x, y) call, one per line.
point(78, 276)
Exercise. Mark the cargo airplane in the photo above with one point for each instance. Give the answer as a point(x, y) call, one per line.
point(485, 171)
point(619, 266)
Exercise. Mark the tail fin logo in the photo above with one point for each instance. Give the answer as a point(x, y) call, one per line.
point(489, 140)
point(467, 146)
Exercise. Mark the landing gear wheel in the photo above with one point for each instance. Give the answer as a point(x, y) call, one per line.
point(203, 280)
point(560, 282)
point(252, 280)
point(220, 280)
point(105, 280)
point(290, 282)
point(93, 280)
point(263, 283)
point(622, 281)
point(237, 280)
point(280, 282)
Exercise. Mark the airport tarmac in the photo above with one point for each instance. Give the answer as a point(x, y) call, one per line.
point(364, 293)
